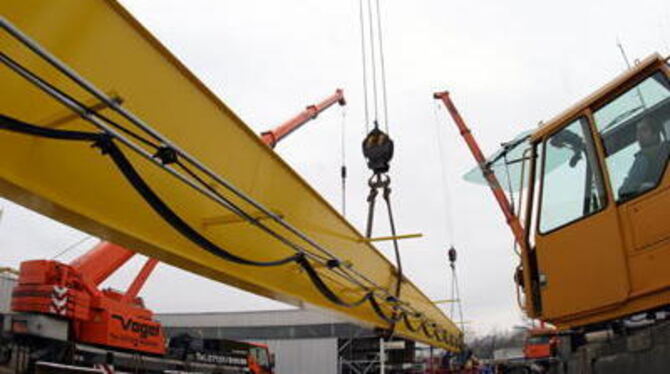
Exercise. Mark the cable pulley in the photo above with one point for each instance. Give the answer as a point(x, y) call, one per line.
point(452, 256)
point(378, 150)
point(456, 304)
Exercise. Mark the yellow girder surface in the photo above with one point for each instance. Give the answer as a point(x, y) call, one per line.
point(75, 184)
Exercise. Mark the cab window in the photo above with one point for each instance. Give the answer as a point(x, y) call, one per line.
point(634, 128)
point(571, 183)
point(538, 340)
point(260, 355)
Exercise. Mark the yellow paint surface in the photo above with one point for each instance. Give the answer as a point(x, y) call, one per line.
point(73, 183)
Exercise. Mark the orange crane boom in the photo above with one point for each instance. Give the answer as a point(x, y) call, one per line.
point(510, 217)
point(272, 137)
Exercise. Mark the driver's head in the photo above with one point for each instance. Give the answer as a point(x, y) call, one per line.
point(647, 134)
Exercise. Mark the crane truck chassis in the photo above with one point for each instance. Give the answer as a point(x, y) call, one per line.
point(36, 343)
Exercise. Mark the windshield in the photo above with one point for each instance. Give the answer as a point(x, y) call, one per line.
point(505, 163)
point(508, 164)
point(634, 128)
point(538, 340)
point(642, 97)
point(260, 354)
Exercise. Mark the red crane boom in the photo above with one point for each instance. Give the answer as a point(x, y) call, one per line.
point(273, 137)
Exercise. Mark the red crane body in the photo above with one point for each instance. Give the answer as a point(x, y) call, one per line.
point(108, 317)
point(100, 317)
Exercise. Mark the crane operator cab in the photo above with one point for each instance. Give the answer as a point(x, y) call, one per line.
point(598, 203)
point(595, 202)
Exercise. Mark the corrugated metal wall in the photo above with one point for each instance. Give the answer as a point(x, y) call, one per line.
point(7, 282)
point(304, 356)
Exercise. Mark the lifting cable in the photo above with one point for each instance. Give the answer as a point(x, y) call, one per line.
point(377, 145)
point(455, 301)
point(343, 154)
point(166, 154)
point(71, 246)
point(446, 187)
point(372, 46)
point(382, 67)
point(455, 290)
point(373, 61)
point(364, 63)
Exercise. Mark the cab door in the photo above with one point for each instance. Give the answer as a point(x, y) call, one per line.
point(579, 247)
point(634, 128)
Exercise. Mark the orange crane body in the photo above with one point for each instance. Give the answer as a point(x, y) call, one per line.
point(100, 317)
point(594, 203)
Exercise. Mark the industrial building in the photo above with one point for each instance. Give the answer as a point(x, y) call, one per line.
point(303, 340)
point(7, 282)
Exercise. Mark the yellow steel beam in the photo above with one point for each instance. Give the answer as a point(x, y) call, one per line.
point(233, 218)
point(67, 115)
point(387, 238)
point(75, 184)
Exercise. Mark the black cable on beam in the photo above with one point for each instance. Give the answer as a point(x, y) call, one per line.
point(107, 146)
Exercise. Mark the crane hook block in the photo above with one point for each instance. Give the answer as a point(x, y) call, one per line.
point(452, 255)
point(378, 150)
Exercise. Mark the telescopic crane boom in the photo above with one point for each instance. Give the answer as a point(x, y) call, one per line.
point(272, 137)
point(510, 217)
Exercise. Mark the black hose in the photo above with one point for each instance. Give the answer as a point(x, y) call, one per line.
point(106, 144)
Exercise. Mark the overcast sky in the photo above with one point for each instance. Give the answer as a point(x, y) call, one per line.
point(508, 64)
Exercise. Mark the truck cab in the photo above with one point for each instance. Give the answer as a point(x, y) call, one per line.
point(540, 344)
point(236, 356)
point(261, 361)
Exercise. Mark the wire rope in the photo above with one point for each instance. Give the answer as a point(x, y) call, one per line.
point(382, 67)
point(343, 154)
point(373, 61)
point(446, 195)
point(364, 66)
point(71, 246)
